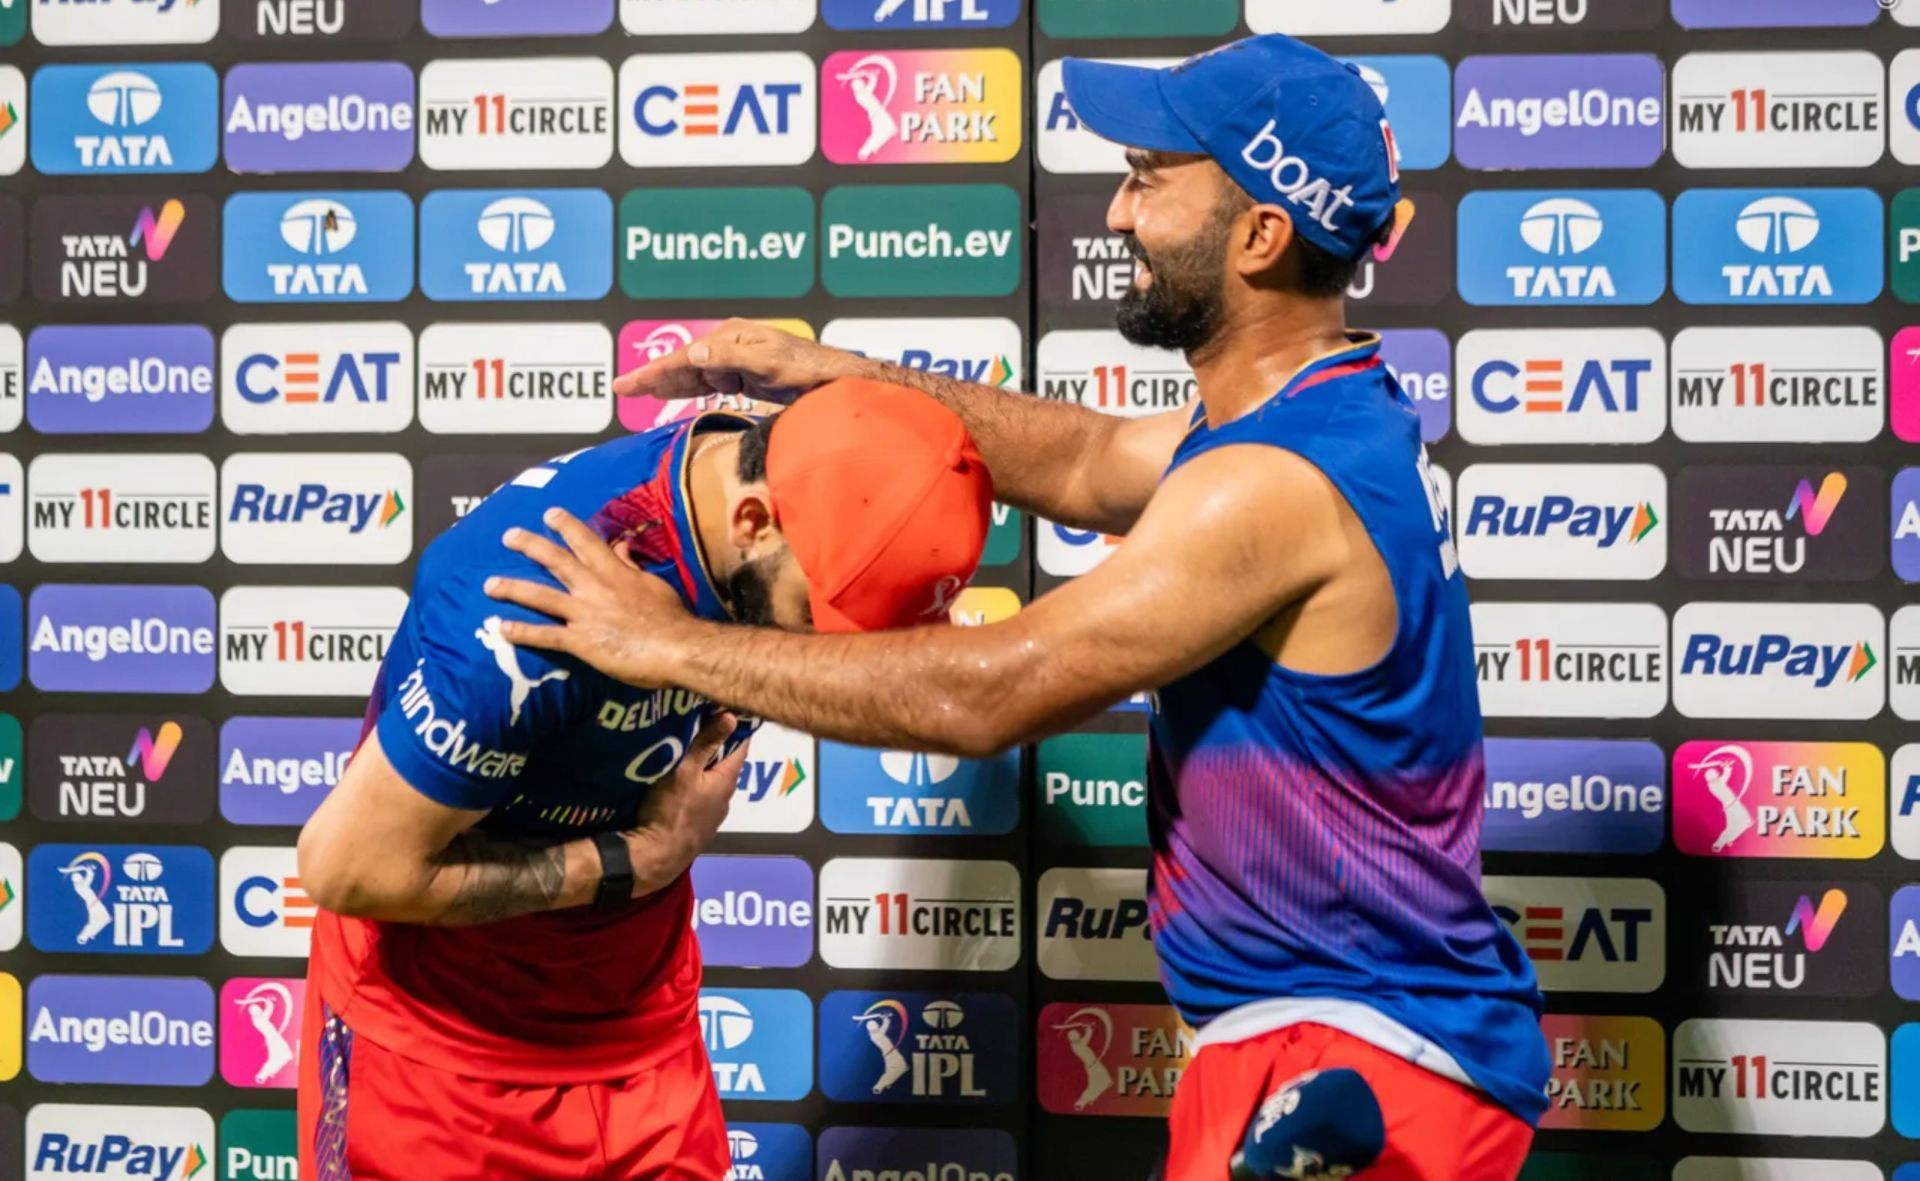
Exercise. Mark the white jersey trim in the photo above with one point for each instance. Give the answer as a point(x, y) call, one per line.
point(1349, 1017)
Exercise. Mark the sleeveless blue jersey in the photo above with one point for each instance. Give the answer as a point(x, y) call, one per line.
point(1319, 836)
point(551, 747)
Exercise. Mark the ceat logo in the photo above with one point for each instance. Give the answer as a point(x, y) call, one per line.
point(267, 913)
point(706, 109)
point(1111, 1059)
point(279, 379)
point(1587, 935)
point(1562, 386)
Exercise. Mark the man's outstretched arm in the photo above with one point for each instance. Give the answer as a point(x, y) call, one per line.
point(1232, 538)
point(1069, 464)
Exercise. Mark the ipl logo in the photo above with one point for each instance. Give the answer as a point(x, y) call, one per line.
point(886, 1024)
point(1720, 767)
point(937, 1060)
point(89, 875)
point(270, 1009)
point(873, 80)
point(1089, 1034)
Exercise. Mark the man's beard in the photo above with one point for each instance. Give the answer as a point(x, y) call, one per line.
point(750, 591)
point(1183, 307)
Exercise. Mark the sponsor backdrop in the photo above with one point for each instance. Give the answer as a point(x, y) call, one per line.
point(287, 286)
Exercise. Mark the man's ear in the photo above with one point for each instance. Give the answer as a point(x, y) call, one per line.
point(1268, 231)
point(751, 520)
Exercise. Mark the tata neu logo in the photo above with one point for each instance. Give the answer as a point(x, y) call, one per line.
point(1780, 385)
point(278, 770)
point(300, 379)
point(1101, 371)
point(124, 249)
point(1779, 799)
point(533, 244)
point(164, 1143)
point(1534, 521)
point(1111, 1059)
point(1560, 111)
point(1552, 795)
point(1580, 385)
point(111, 120)
point(1609, 1073)
point(919, 1047)
point(1780, 523)
point(1571, 660)
point(319, 247)
point(120, 639)
point(121, 508)
point(875, 791)
point(542, 379)
point(1779, 247)
point(1568, 249)
point(920, 915)
point(119, 379)
point(156, 769)
point(707, 109)
point(306, 641)
point(959, 106)
point(777, 785)
point(1753, 110)
point(1806, 938)
point(1780, 1078)
point(121, 899)
point(319, 117)
point(305, 509)
point(1774, 660)
point(1587, 934)
point(754, 912)
point(516, 18)
point(1081, 262)
point(516, 113)
point(759, 1042)
point(1522, 16)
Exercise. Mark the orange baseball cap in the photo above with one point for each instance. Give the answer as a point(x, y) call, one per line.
point(885, 500)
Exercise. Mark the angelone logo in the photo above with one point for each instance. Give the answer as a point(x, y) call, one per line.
point(1110, 1059)
point(314, 641)
point(1093, 925)
point(546, 379)
point(920, 915)
point(533, 244)
point(873, 791)
point(109, 379)
point(921, 240)
point(1571, 660)
point(1549, 795)
point(1752, 110)
point(312, 508)
point(120, 639)
point(319, 117)
point(1598, 521)
point(1568, 249)
point(853, 1154)
point(1779, 799)
point(296, 379)
point(1799, 385)
point(958, 106)
point(121, 508)
point(108, 1029)
point(1421, 362)
point(1811, 938)
point(1772, 660)
point(263, 909)
point(1609, 1073)
point(1560, 111)
point(1906, 524)
point(260, 1031)
point(1783, 247)
point(1775, 14)
point(516, 18)
point(706, 109)
point(277, 770)
point(319, 247)
point(497, 114)
point(1101, 371)
point(162, 1143)
point(1591, 385)
point(754, 912)
point(919, 1047)
point(759, 1042)
point(1780, 1078)
point(1786, 523)
point(126, 767)
point(113, 120)
point(131, 249)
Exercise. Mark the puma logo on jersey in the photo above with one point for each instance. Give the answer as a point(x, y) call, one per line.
point(508, 658)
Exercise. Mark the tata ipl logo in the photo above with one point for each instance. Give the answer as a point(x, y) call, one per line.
point(918, 1047)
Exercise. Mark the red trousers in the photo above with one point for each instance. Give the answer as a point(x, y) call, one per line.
point(367, 1114)
point(1437, 1130)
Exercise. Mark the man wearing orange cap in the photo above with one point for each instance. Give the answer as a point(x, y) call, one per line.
point(503, 977)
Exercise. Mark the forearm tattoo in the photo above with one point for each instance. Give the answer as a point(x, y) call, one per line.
point(498, 880)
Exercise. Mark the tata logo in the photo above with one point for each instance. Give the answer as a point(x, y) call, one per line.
point(1578, 660)
point(516, 113)
point(759, 1042)
point(541, 244)
point(116, 120)
point(121, 899)
point(264, 909)
point(516, 378)
point(1800, 385)
point(1779, 799)
point(307, 641)
point(1780, 1078)
point(920, 14)
point(128, 508)
point(1093, 925)
point(1587, 934)
point(1520, 249)
point(1579, 385)
point(1545, 521)
point(754, 912)
point(122, 22)
point(1751, 110)
point(319, 247)
point(1779, 661)
point(290, 379)
point(918, 1047)
point(1805, 246)
point(706, 109)
point(869, 791)
point(768, 1152)
point(162, 1143)
point(920, 914)
point(1811, 938)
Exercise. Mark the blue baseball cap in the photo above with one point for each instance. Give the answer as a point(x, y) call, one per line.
point(1291, 126)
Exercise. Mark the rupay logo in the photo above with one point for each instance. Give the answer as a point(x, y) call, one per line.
point(314, 508)
point(13, 885)
point(1534, 520)
point(777, 785)
point(1799, 246)
point(982, 350)
point(161, 1143)
point(112, 120)
point(1761, 660)
point(759, 1042)
point(13, 114)
point(534, 244)
point(123, 22)
point(705, 109)
point(1576, 249)
point(319, 247)
point(1093, 925)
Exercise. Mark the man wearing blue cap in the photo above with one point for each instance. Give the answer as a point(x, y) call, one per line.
point(1288, 585)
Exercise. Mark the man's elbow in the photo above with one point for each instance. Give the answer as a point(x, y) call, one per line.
point(332, 881)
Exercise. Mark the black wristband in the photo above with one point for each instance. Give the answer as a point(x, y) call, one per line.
point(616, 872)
